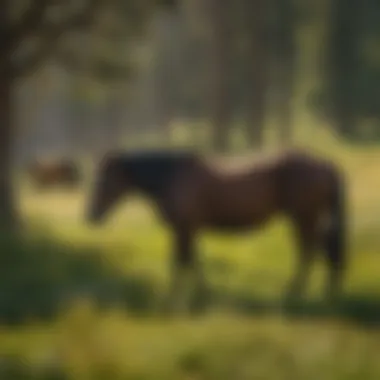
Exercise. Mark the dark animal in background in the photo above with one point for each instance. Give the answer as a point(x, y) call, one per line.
point(192, 195)
point(62, 172)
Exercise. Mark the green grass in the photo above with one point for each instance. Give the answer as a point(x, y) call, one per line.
point(73, 271)
point(214, 347)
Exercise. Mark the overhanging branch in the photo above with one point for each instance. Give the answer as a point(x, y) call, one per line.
point(30, 21)
point(51, 35)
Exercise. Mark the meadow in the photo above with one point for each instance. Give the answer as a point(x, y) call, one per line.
point(104, 288)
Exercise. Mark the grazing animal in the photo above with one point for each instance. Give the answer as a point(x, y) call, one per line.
point(52, 173)
point(192, 195)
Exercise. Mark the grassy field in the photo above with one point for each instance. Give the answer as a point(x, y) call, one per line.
point(242, 335)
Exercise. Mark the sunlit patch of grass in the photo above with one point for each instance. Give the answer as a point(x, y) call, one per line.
point(213, 347)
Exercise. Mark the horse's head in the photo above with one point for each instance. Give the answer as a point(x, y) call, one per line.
point(111, 184)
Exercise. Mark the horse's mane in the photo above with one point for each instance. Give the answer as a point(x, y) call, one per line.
point(151, 170)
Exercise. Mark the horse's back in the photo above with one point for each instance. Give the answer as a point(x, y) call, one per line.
point(273, 178)
point(304, 165)
point(240, 164)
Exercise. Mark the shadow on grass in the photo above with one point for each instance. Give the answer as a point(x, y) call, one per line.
point(361, 309)
point(39, 275)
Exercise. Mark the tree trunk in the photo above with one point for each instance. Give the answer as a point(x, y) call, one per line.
point(284, 55)
point(343, 64)
point(257, 73)
point(166, 70)
point(284, 105)
point(112, 120)
point(221, 102)
point(9, 217)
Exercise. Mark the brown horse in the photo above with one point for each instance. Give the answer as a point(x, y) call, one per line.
point(192, 195)
point(51, 173)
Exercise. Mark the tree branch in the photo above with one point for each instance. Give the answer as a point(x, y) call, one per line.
point(30, 22)
point(51, 35)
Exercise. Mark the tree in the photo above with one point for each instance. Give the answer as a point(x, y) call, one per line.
point(30, 32)
point(221, 44)
point(342, 64)
point(285, 60)
point(102, 63)
point(30, 28)
point(256, 15)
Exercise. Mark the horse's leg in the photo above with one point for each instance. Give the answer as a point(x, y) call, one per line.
point(335, 280)
point(336, 263)
point(183, 260)
point(201, 285)
point(306, 232)
point(199, 272)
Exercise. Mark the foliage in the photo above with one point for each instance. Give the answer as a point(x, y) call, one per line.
point(83, 26)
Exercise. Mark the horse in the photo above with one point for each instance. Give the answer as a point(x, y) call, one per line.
point(192, 195)
point(56, 172)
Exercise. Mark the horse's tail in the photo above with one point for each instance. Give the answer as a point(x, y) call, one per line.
point(335, 234)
